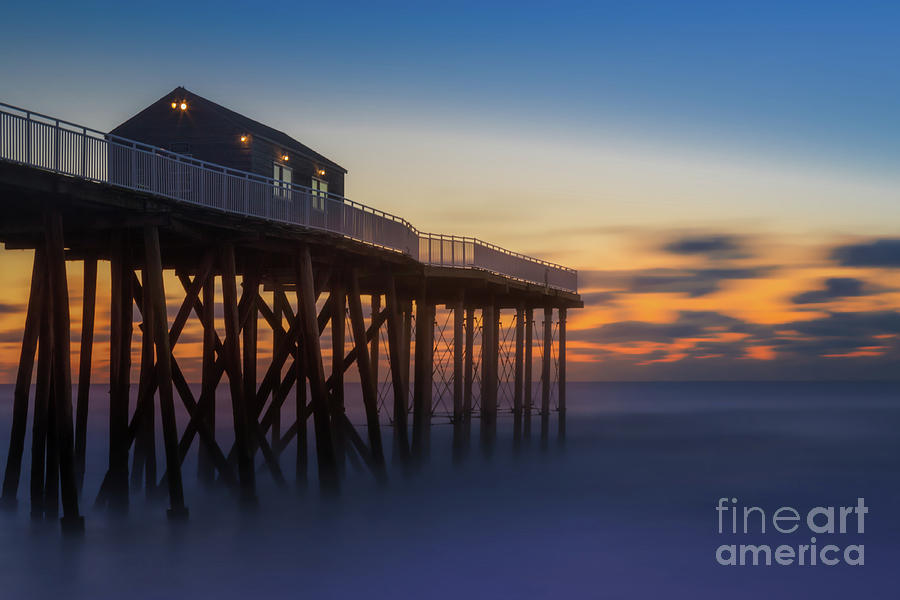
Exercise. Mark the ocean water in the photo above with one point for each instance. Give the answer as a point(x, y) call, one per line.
point(623, 507)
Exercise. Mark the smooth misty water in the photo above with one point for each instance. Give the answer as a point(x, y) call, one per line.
point(624, 509)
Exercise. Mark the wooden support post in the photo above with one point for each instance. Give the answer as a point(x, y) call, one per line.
point(469, 367)
point(206, 468)
point(374, 345)
point(246, 472)
point(62, 371)
point(33, 318)
point(529, 363)
point(368, 379)
point(277, 336)
point(41, 408)
point(562, 374)
point(489, 373)
point(423, 376)
point(144, 460)
point(306, 314)
point(338, 348)
point(51, 476)
point(155, 296)
point(300, 396)
point(545, 374)
point(250, 333)
point(397, 353)
point(407, 349)
point(300, 369)
point(120, 318)
point(88, 305)
point(519, 373)
point(458, 383)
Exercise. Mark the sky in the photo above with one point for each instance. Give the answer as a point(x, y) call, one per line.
point(722, 174)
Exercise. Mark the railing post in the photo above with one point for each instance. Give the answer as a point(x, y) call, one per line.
point(28, 137)
point(56, 147)
point(84, 152)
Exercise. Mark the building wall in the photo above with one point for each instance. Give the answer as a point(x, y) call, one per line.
point(198, 131)
point(203, 133)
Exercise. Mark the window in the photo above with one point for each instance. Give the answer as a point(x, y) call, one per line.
point(282, 176)
point(320, 192)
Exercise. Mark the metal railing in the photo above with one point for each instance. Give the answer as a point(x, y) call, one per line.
point(52, 144)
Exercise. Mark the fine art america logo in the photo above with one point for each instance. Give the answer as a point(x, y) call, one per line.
point(823, 525)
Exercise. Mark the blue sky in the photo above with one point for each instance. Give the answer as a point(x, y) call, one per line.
point(818, 77)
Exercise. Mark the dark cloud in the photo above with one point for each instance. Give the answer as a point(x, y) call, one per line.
point(819, 347)
point(692, 282)
point(877, 253)
point(835, 288)
point(848, 325)
point(689, 324)
point(823, 348)
point(11, 309)
point(712, 246)
point(13, 336)
point(599, 298)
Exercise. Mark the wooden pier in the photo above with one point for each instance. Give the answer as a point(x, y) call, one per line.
point(420, 332)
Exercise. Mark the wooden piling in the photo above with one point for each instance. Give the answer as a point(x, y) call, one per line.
point(397, 353)
point(338, 348)
point(374, 345)
point(306, 314)
point(561, 383)
point(519, 375)
point(41, 407)
point(250, 333)
point(121, 327)
point(51, 473)
point(144, 457)
point(246, 471)
point(458, 377)
point(422, 390)
point(528, 383)
point(154, 290)
point(545, 374)
point(489, 372)
point(62, 372)
point(469, 367)
point(33, 318)
point(88, 306)
point(368, 378)
point(205, 466)
point(302, 454)
point(277, 335)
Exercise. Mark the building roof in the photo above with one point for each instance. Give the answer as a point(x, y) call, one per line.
point(254, 128)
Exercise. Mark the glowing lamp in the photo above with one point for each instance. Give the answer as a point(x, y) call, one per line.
point(243, 138)
point(183, 106)
point(321, 172)
point(284, 158)
point(174, 105)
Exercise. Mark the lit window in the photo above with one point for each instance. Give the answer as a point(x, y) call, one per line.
point(282, 176)
point(320, 192)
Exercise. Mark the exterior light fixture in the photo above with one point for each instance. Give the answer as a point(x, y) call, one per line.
point(183, 106)
point(321, 172)
point(174, 105)
point(243, 138)
point(284, 158)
